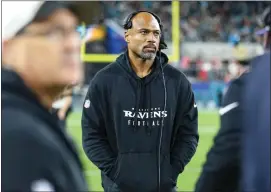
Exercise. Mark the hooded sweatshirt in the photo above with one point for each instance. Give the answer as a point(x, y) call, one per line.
point(138, 140)
point(37, 153)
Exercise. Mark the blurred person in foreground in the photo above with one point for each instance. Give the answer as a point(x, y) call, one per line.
point(256, 118)
point(41, 56)
point(222, 169)
point(140, 119)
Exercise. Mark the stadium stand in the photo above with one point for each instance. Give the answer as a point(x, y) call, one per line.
point(200, 21)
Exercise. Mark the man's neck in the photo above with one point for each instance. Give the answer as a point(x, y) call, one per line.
point(141, 67)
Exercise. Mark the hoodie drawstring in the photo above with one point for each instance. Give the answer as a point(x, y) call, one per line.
point(148, 127)
point(138, 100)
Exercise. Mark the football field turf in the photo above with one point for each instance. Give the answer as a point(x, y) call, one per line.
point(208, 126)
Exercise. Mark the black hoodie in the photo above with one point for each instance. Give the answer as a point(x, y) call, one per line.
point(34, 148)
point(122, 125)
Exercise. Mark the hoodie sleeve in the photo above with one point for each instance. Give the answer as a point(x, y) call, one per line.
point(186, 130)
point(94, 136)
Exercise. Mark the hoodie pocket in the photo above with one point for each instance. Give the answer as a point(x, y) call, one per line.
point(137, 172)
point(117, 167)
point(167, 181)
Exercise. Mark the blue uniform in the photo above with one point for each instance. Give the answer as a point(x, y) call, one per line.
point(256, 125)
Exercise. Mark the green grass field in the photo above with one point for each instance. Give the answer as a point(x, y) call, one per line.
point(208, 126)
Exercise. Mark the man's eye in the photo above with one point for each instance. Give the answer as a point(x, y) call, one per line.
point(156, 33)
point(56, 31)
point(144, 32)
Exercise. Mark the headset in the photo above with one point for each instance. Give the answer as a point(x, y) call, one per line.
point(128, 25)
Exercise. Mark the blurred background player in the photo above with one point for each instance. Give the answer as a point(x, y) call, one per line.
point(222, 169)
point(256, 117)
point(41, 56)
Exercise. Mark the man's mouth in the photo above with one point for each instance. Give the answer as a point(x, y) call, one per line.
point(150, 48)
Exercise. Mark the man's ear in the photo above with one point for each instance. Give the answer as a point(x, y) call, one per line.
point(126, 36)
point(6, 46)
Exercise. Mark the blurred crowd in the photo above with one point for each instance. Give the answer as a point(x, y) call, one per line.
point(200, 20)
point(220, 21)
point(215, 69)
point(119, 10)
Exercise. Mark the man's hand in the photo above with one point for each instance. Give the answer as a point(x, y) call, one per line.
point(61, 114)
point(64, 109)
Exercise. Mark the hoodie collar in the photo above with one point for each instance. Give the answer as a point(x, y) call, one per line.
point(161, 58)
point(13, 83)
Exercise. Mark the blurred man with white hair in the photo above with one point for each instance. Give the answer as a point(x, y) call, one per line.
point(40, 57)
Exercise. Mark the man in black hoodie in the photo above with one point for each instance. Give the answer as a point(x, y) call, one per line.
point(41, 56)
point(221, 171)
point(140, 117)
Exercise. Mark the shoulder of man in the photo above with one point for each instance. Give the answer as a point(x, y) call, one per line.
point(264, 58)
point(30, 123)
point(34, 158)
point(235, 88)
point(26, 155)
point(231, 98)
point(19, 123)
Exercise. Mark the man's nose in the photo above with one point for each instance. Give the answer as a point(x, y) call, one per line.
point(151, 38)
point(72, 42)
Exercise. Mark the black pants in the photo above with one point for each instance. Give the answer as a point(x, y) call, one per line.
point(110, 186)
